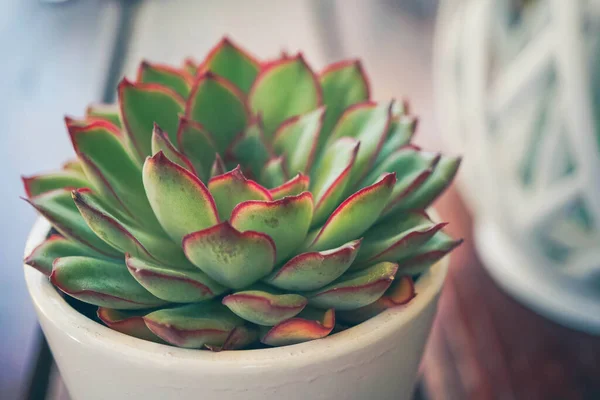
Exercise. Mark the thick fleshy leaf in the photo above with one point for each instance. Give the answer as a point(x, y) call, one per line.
point(219, 106)
point(293, 187)
point(175, 79)
point(357, 289)
point(218, 167)
point(56, 246)
point(282, 90)
point(264, 307)
point(233, 63)
point(297, 138)
point(112, 171)
point(106, 112)
point(311, 271)
point(173, 284)
point(232, 188)
point(142, 105)
point(412, 166)
point(59, 209)
point(310, 324)
point(285, 220)
point(38, 184)
point(232, 258)
point(190, 66)
point(396, 238)
point(103, 283)
point(197, 145)
point(74, 166)
point(180, 201)
point(354, 216)
point(431, 252)
point(193, 325)
point(330, 178)
point(126, 239)
point(129, 322)
point(401, 130)
point(274, 173)
point(344, 83)
point(239, 338)
point(161, 142)
point(368, 123)
point(250, 149)
point(401, 292)
point(434, 185)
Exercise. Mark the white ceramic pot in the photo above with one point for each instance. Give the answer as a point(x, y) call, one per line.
point(517, 94)
point(376, 360)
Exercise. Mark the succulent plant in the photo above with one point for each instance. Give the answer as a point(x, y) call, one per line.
point(239, 202)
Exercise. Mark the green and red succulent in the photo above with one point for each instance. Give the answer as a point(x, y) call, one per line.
point(238, 202)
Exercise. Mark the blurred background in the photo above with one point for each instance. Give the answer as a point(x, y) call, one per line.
point(510, 84)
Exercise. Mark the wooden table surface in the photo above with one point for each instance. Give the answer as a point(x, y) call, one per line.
point(485, 345)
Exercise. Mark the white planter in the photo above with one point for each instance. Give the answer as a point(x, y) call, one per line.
point(376, 360)
point(520, 101)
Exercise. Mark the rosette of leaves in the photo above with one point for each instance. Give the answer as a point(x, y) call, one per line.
point(235, 202)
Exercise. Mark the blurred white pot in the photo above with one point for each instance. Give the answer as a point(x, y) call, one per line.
point(518, 93)
point(377, 359)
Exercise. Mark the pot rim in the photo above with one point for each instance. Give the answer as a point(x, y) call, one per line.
point(87, 332)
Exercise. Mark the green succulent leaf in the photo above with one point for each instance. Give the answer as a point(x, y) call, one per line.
point(74, 166)
point(400, 293)
point(161, 142)
point(232, 188)
point(197, 145)
point(218, 167)
point(232, 63)
point(344, 84)
point(239, 338)
point(265, 308)
point(313, 270)
point(142, 105)
point(270, 96)
point(56, 246)
point(181, 202)
point(297, 139)
point(105, 112)
point(310, 324)
point(102, 283)
point(39, 184)
point(111, 170)
point(193, 325)
point(293, 187)
point(126, 239)
point(401, 130)
point(431, 252)
point(285, 220)
point(58, 208)
point(396, 238)
point(174, 284)
point(190, 66)
point(355, 290)
point(354, 216)
point(129, 322)
point(441, 177)
point(329, 184)
point(175, 79)
point(233, 258)
point(250, 149)
point(368, 123)
point(219, 106)
point(273, 173)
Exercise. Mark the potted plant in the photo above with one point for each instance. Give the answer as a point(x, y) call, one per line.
point(221, 218)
